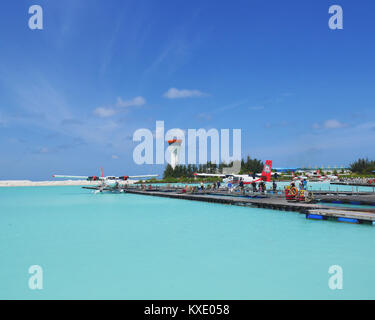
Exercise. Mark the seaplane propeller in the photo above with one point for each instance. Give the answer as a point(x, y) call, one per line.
point(94, 178)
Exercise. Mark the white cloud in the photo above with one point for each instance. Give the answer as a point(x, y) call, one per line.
point(42, 106)
point(174, 93)
point(333, 124)
point(329, 124)
point(104, 112)
point(136, 102)
point(115, 157)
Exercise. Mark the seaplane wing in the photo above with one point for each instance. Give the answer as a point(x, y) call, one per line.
point(210, 175)
point(76, 177)
point(272, 174)
point(104, 179)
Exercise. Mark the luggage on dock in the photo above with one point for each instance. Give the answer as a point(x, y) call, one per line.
point(292, 194)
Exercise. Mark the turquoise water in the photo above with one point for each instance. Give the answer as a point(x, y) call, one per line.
point(122, 246)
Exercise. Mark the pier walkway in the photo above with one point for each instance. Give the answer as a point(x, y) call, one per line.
point(269, 201)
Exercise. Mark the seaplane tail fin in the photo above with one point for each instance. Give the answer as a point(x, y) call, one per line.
point(101, 172)
point(267, 171)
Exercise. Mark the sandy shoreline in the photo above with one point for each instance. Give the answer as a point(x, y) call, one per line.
point(28, 183)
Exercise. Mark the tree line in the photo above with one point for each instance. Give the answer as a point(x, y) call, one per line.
point(363, 166)
point(187, 171)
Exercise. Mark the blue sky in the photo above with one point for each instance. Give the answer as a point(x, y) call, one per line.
point(72, 94)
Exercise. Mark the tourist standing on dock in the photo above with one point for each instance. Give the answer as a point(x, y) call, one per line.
point(241, 185)
point(274, 186)
point(254, 187)
point(230, 186)
point(305, 184)
point(262, 187)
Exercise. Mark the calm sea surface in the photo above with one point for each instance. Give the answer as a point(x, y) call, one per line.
point(123, 246)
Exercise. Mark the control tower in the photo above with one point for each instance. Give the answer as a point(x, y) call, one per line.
point(174, 148)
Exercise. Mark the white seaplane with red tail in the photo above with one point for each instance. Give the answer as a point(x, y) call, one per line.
point(316, 176)
point(108, 183)
point(247, 179)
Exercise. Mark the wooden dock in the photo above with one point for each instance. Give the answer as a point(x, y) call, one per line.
point(268, 201)
point(355, 199)
point(342, 216)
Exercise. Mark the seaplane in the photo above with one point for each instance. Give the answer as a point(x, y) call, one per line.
point(296, 178)
point(327, 177)
point(108, 183)
point(316, 176)
point(247, 179)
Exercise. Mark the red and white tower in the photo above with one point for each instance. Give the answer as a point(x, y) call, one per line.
point(174, 149)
